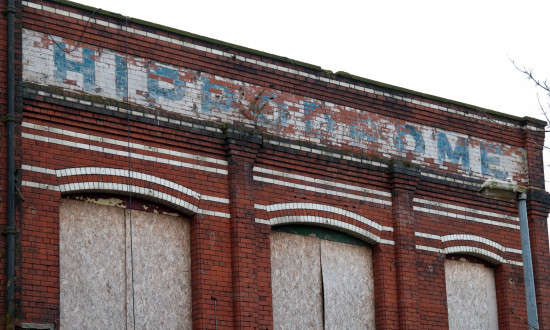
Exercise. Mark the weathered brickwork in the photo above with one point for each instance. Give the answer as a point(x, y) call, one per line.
point(239, 142)
point(100, 71)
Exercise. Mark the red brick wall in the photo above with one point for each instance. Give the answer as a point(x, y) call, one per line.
point(239, 180)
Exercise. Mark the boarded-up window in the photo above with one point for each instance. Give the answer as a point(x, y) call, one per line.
point(471, 294)
point(321, 284)
point(96, 268)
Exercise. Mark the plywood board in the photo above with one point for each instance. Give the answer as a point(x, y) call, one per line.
point(96, 267)
point(296, 282)
point(471, 295)
point(162, 271)
point(92, 266)
point(348, 282)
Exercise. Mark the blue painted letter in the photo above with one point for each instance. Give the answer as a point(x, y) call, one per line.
point(365, 129)
point(309, 107)
point(486, 161)
point(86, 67)
point(461, 151)
point(399, 137)
point(121, 77)
point(223, 101)
point(168, 75)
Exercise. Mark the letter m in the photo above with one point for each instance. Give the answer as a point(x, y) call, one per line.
point(460, 151)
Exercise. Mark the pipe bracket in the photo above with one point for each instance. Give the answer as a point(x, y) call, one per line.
point(10, 10)
point(8, 118)
point(9, 231)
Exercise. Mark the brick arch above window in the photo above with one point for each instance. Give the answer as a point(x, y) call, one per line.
point(124, 182)
point(477, 252)
point(472, 245)
point(327, 216)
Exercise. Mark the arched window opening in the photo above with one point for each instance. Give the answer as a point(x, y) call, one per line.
point(471, 293)
point(116, 263)
point(321, 279)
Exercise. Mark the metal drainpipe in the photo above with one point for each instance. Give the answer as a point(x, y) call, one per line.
point(10, 230)
point(532, 314)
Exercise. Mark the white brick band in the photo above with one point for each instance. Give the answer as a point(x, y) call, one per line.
point(322, 190)
point(124, 173)
point(327, 222)
point(324, 208)
point(145, 193)
point(466, 237)
point(465, 209)
point(122, 153)
point(481, 253)
point(121, 143)
point(321, 181)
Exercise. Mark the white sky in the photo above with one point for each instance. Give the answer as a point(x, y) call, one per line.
point(459, 50)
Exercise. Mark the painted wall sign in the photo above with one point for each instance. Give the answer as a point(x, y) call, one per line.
point(105, 73)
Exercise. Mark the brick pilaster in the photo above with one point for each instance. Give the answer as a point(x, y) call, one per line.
point(385, 287)
point(512, 311)
point(242, 148)
point(533, 142)
point(538, 205)
point(404, 181)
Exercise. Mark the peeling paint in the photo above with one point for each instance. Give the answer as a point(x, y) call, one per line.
point(157, 85)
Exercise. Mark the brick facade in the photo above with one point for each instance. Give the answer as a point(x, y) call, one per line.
point(238, 141)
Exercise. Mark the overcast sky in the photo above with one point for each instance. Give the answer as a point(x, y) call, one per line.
point(459, 50)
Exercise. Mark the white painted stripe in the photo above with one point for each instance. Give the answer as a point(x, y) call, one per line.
point(263, 221)
point(214, 199)
point(320, 181)
point(122, 153)
point(39, 185)
point(481, 117)
point(260, 207)
point(465, 209)
point(468, 237)
point(321, 190)
point(465, 217)
point(38, 169)
point(121, 143)
point(214, 213)
point(430, 236)
point(326, 208)
point(429, 248)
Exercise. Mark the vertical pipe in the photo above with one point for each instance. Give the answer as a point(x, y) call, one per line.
point(532, 315)
point(10, 231)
